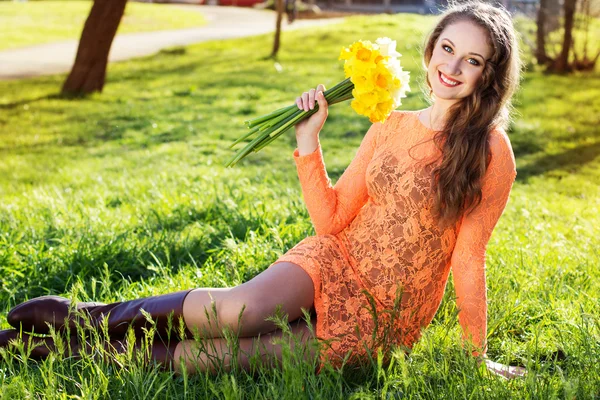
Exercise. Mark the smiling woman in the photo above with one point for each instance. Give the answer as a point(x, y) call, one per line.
point(458, 66)
point(38, 22)
point(414, 204)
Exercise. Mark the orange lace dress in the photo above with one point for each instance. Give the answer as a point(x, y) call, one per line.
point(377, 241)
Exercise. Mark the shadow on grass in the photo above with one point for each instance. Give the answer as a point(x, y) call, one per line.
point(128, 254)
point(54, 96)
point(569, 161)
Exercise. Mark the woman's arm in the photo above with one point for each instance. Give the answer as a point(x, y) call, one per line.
point(468, 257)
point(331, 208)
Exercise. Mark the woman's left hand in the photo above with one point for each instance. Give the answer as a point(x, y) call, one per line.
point(505, 371)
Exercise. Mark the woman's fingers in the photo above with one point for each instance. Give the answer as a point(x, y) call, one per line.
point(320, 95)
point(505, 371)
point(518, 371)
point(311, 98)
point(307, 100)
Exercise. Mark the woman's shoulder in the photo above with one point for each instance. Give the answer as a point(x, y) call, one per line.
point(501, 147)
point(499, 140)
point(402, 115)
point(396, 120)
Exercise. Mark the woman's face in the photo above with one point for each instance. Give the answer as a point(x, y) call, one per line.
point(459, 55)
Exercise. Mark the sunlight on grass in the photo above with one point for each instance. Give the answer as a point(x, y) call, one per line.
point(38, 22)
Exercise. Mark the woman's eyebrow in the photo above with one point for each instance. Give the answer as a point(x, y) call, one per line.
point(477, 54)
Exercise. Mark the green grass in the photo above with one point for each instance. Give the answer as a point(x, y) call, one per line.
point(38, 22)
point(123, 194)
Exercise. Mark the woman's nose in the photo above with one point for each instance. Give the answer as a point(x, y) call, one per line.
point(454, 67)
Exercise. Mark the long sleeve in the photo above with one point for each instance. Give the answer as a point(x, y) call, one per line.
point(468, 257)
point(332, 208)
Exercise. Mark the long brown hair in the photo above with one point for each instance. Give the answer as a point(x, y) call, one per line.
point(463, 140)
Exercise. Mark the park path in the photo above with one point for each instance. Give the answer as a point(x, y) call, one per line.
point(222, 23)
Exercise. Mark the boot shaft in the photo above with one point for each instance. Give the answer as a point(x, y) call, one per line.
point(35, 315)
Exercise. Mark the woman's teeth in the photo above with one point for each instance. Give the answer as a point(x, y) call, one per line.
point(447, 81)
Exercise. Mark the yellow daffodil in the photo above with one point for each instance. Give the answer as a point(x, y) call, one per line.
point(375, 82)
point(379, 81)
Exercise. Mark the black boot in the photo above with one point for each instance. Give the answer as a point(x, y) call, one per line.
point(40, 346)
point(162, 351)
point(35, 314)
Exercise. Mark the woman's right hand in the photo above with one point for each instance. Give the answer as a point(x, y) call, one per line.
point(310, 127)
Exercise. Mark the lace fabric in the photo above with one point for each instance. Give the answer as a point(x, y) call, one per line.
point(377, 241)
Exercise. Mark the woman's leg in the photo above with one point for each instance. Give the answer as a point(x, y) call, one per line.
point(284, 283)
point(212, 354)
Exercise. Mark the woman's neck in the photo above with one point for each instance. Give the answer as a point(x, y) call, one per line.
point(436, 117)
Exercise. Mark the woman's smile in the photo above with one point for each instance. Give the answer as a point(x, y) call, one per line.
point(446, 81)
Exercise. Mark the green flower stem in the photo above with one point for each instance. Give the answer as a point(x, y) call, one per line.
point(335, 93)
point(285, 128)
point(274, 129)
point(243, 152)
point(256, 121)
point(285, 125)
point(247, 135)
point(250, 146)
point(340, 84)
point(343, 97)
point(265, 143)
point(272, 125)
point(293, 114)
point(276, 120)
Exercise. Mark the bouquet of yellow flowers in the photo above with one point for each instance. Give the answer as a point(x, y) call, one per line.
point(374, 81)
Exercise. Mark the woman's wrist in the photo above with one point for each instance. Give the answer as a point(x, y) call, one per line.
point(307, 145)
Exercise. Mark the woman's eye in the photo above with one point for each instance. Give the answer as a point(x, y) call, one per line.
point(446, 46)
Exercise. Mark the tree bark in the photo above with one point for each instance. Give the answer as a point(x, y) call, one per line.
point(279, 5)
point(89, 71)
point(584, 63)
point(540, 51)
point(561, 64)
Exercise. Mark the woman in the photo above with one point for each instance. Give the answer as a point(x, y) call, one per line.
point(423, 194)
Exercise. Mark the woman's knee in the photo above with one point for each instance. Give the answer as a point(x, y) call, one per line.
point(257, 312)
point(247, 314)
point(246, 307)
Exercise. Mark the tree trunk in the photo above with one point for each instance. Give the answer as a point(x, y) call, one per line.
point(561, 64)
point(585, 63)
point(89, 70)
point(540, 51)
point(279, 7)
point(553, 11)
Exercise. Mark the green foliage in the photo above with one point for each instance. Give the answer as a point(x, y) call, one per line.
point(122, 195)
point(38, 22)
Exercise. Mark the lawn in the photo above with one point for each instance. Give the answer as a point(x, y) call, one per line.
point(123, 194)
point(37, 22)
